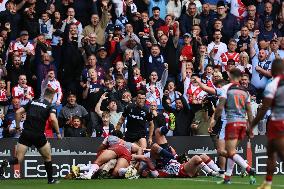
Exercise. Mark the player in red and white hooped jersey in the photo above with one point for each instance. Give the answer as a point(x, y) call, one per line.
point(22, 91)
point(51, 82)
point(230, 54)
point(273, 98)
point(23, 46)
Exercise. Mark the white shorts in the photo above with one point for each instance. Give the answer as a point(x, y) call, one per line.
point(222, 132)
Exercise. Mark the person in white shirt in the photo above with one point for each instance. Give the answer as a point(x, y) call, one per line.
point(17, 132)
point(216, 47)
point(51, 82)
point(72, 20)
point(261, 67)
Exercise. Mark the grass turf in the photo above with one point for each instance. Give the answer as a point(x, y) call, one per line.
point(174, 183)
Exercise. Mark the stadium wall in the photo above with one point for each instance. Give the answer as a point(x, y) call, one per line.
point(71, 151)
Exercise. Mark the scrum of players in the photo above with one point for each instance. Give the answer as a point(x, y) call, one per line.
point(117, 158)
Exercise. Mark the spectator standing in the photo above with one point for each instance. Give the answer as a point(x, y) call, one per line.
point(22, 91)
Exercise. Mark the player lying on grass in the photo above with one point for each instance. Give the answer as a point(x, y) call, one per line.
point(113, 147)
point(169, 164)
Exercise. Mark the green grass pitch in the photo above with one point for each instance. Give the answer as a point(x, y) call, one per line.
point(170, 183)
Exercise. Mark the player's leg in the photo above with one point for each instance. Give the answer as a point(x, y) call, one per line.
point(160, 134)
point(120, 168)
point(271, 164)
point(45, 152)
point(20, 154)
point(158, 150)
point(142, 142)
point(222, 154)
point(194, 165)
point(209, 162)
point(230, 147)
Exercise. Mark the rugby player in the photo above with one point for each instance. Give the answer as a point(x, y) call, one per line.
point(38, 112)
point(273, 98)
point(236, 101)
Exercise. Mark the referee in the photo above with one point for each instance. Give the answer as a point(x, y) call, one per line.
point(38, 111)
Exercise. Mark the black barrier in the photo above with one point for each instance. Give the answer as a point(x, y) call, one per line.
point(73, 151)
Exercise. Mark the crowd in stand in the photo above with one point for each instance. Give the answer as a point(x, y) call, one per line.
point(99, 54)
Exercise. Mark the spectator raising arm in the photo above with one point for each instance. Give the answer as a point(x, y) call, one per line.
point(252, 43)
point(98, 106)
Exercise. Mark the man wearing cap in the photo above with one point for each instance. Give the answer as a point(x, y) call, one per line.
point(23, 46)
point(98, 25)
point(70, 110)
point(274, 51)
point(186, 51)
point(268, 32)
point(230, 22)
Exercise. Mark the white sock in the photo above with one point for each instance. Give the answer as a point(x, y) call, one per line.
point(93, 169)
point(213, 166)
point(204, 167)
point(154, 173)
point(122, 171)
point(84, 167)
point(230, 167)
point(240, 161)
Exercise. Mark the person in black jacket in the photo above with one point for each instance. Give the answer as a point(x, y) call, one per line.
point(229, 22)
point(183, 116)
point(76, 130)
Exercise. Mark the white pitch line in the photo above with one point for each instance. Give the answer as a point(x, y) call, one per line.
point(202, 180)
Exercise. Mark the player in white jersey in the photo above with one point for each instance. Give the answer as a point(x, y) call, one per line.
point(236, 102)
point(273, 98)
point(220, 143)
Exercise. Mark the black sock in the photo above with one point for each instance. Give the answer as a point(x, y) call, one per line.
point(13, 161)
point(48, 168)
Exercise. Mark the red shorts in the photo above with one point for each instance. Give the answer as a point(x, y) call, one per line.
point(235, 130)
point(182, 172)
point(121, 152)
point(275, 129)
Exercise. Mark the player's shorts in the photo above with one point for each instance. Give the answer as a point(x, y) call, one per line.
point(222, 131)
point(173, 169)
point(121, 152)
point(29, 138)
point(275, 129)
point(166, 146)
point(235, 130)
point(134, 138)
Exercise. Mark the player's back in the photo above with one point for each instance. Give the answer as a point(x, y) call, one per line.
point(38, 112)
point(276, 88)
point(237, 99)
